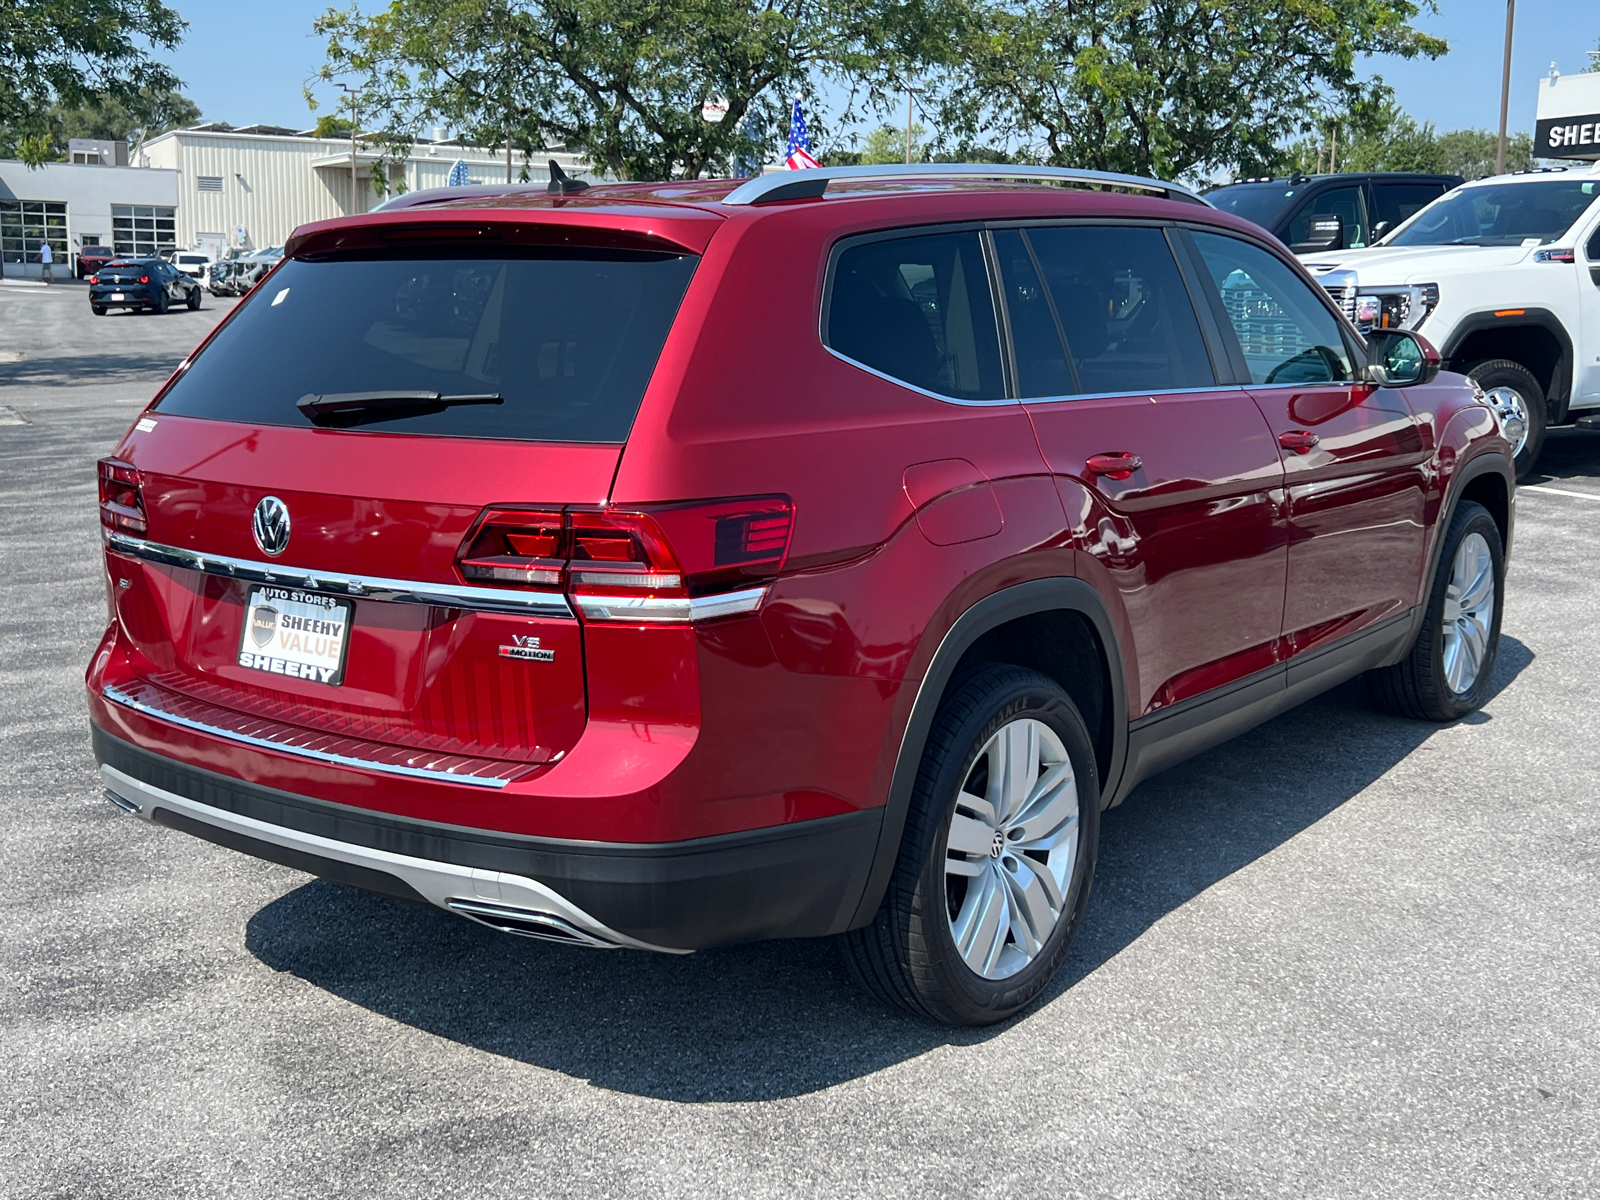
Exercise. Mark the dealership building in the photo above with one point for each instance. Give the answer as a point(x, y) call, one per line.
point(216, 186)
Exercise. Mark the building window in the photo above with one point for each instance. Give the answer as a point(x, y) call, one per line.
point(210, 183)
point(26, 224)
point(141, 230)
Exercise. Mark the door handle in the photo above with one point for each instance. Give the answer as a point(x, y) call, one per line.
point(1117, 465)
point(1299, 440)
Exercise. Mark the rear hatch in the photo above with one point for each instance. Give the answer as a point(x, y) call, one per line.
point(286, 524)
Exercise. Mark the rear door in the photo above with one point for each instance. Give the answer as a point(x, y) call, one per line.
point(1353, 455)
point(300, 564)
point(1170, 479)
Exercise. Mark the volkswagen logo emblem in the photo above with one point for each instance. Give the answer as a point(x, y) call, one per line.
point(271, 525)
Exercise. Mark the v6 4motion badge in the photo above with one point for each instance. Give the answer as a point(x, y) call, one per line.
point(526, 647)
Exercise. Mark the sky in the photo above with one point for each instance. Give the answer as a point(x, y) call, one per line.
point(246, 61)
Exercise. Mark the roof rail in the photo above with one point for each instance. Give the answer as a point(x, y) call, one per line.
point(797, 185)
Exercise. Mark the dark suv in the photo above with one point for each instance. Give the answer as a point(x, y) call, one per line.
point(142, 284)
point(672, 565)
point(1317, 213)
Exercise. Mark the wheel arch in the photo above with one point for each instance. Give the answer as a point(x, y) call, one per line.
point(1059, 626)
point(1535, 338)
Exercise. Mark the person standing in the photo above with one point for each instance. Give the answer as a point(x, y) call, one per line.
point(46, 263)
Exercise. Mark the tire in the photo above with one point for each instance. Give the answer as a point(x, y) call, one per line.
point(194, 300)
point(1425, 686)
point(1512, 388)
point(98, 310)
point(161, 303)
point(909, 954)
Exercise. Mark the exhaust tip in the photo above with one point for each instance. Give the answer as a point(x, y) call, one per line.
point(528, 923)
point(122, 802)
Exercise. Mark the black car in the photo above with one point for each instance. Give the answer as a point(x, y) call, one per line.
point(141, 283)
point(1367, 206)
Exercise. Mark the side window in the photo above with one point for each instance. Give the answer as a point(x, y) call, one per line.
point(919, 310)
point(1346, 203)
point(1399, 202)
point(1123, 307)
point(1286, 332)
point(1035, 337)
point(1593, 248)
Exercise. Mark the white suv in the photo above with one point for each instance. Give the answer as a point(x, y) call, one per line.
point(1503, 276)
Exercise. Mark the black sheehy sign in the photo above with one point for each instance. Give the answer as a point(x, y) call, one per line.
point(1568, 137)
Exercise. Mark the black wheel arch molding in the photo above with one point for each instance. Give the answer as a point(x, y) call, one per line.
point(1050, 594)
point(1558, 395)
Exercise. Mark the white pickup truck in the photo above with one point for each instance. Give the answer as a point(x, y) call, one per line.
point(1503, 276)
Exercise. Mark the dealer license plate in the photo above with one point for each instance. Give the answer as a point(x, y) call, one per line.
point(118, 296)
point(298, 634)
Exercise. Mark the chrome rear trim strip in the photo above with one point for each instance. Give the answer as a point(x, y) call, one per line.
point(659, 609)
point(399, 591)
point(484, 895)
point(118, 696)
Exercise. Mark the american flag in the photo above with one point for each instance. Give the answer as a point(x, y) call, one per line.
point(797, 156)
point(458, 175)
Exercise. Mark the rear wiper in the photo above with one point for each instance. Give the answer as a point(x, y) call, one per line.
point(353, 407)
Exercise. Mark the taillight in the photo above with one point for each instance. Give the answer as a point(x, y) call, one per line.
point(665, 552)
point(121, 502)
point(144, 279)
point(515, 546)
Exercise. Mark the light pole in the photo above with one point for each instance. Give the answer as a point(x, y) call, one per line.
point(910, 92)
point(355, 190)
point(1505, 91)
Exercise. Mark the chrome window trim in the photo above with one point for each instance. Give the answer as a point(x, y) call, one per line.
point(1150, 394)
point(911, 387)
point(660, 609)
point(399, 591)
point(117, 696)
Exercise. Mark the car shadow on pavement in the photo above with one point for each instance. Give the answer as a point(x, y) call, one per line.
point(71, 371)
point(1567, 452)
point(783, 1019)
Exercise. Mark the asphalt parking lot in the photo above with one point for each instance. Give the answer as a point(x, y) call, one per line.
point(1344, 955)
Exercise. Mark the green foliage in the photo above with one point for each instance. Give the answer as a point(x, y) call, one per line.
point(1163, 87)
point(619, 81)
point(1380, 137)
point(886, 144)
point(63, 55)
point(107, 118)
point(331, 126)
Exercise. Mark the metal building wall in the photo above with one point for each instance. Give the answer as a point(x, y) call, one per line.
point(271, 185)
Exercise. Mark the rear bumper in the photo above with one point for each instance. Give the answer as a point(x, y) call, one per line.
point(799, 880)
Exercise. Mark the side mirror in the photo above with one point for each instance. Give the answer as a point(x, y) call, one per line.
point(1326, 233)
point(1378, 230)
point(1396, 358)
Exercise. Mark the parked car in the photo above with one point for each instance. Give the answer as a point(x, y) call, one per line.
point(1504, 274)
point(1366, 205)
point(146, 284)
point(91, 259)
point(804, 556)
point(194, 263)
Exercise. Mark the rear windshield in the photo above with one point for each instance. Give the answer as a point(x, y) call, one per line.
point(566, 340)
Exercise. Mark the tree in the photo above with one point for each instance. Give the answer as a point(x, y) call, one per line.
point(105, 118)
point(1164, 87)
point(886, 144)
point(619, 81)
point(67, 54)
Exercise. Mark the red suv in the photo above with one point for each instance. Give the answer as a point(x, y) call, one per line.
point(673, 565)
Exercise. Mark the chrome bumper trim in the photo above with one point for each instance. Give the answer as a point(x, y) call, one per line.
point(118, 696)
point(439, 883)
point(669, 608)
point(400, 591)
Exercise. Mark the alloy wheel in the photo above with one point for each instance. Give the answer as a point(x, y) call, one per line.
point(1011, 849)
point(1512, 409)
point(1468, 613)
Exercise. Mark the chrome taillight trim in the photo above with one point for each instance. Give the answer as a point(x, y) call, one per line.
point(399, 591)
point(117, 696)
point(663, 609)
